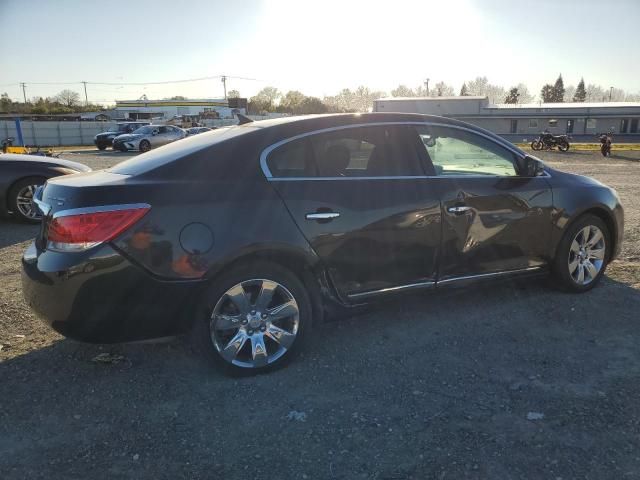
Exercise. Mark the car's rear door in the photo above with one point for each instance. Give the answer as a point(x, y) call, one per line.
point(362, 199)
point(494, 220)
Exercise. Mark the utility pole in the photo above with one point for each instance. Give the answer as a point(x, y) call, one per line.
point(24, 93)
point(86, 98)
point(224, 83)
point(610, 90)
point(426, 82)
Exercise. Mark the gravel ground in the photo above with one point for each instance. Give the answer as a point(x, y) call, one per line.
point(511, 380)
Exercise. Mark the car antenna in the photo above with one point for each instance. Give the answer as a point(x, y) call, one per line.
point(242, 119)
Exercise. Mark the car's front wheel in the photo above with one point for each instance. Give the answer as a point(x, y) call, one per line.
point(253, 319)
point(101, 146)
point(582, 255)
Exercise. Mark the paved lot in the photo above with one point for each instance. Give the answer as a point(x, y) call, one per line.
point(509, 381)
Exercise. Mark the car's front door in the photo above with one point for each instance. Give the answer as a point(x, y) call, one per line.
point(361, 198)
point(494, 220)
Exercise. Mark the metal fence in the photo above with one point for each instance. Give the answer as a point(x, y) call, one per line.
point(57, 134)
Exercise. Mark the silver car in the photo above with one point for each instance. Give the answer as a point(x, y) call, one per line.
point(150, 136)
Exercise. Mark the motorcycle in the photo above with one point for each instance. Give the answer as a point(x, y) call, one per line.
point(547, 141)
point(606, 139)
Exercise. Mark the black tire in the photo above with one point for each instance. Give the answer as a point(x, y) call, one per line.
point(102, 147)
point(536, 145)
point(563, 146)
point(560, 268)
point(144, 146)
point(604, 150)
point(15, 190)
point(201, 331)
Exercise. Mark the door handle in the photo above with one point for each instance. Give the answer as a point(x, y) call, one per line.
point(322, 216)
point(458, 209)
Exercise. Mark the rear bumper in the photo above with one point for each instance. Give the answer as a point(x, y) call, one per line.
point(104, 298)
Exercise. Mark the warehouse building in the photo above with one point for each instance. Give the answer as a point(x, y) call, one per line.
point(144, 109)
point(523, 122)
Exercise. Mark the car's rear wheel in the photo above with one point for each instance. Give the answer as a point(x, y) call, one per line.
point(253, 319)
point(144, 146)
point(21, 199)
point(102, 147)
point(582, 255)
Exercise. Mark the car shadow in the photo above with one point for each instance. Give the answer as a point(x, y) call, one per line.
point(12, 232)
point(435, 366)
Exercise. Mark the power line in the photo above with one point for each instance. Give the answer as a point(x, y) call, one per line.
point(164, 82)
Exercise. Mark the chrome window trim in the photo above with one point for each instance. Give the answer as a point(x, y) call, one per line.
point(269, 176)
point(309, 179)
point(100, 208)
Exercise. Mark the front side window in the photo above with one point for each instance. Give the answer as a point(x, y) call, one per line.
point(376, 151)
point(458, 152)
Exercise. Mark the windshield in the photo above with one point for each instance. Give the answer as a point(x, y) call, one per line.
point(144, 130)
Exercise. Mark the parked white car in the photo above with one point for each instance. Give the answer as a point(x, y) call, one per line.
point(148, 137)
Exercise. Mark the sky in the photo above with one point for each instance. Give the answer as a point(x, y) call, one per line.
point(317, 47)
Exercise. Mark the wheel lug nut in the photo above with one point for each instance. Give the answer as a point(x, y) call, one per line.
point(263, 328)
point(253, 312)
point(249, 332)
point(264, 316)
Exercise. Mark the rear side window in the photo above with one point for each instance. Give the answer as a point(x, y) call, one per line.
point(292, 159)
point(377, 151)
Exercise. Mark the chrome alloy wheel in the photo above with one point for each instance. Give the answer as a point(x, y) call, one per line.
point(25, 204)
point(254, 323)
point(586, 255)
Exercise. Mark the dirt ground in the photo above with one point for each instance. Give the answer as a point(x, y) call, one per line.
point(510, 380)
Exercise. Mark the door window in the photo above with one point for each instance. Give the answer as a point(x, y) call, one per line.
point(458, 152)
point(634, 126)
point(376, 151)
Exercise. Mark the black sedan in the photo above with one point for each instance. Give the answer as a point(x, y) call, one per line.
point(20, 175)
point(247, 236)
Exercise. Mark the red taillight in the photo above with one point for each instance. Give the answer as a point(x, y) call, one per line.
point(86, 230)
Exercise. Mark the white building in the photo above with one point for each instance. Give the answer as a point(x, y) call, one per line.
point(522, 122)
point(167, 109)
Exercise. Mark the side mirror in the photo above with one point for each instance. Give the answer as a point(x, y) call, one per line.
point(533, 167)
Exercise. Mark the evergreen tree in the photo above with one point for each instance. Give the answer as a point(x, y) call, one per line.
point(464, 91)
point(547, 93)
point(581, 92)
point(512, 96)
point(558, 90)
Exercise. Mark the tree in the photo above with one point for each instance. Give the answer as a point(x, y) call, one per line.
point(233, 94)
point(5, 103)
point(547, 94)
point(569, 92)
point(443, 90)
point(464, 91)
point(525, 95)
point(558, 90)
point(68, 98)
point(581, 93)
point(481, 87)
point(178, 97)
point(359, 100)
point(264, 101)
point(403, 91)
point(513, 96)
point(595, 93)
point(312, 105)
point(291, 102)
